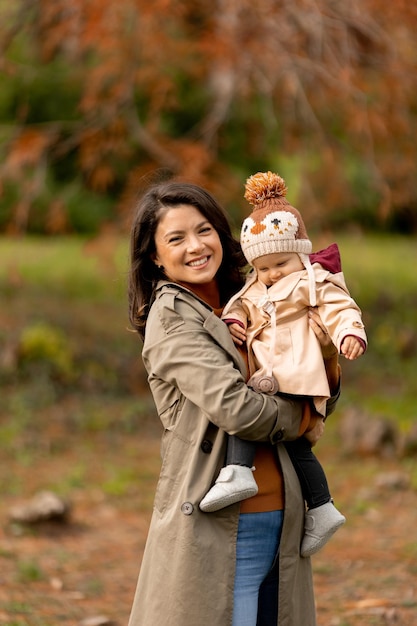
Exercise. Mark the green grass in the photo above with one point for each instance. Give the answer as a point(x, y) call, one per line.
point(29, 571)
point(64, 300)
point(76, 416)
point(381, 275)
point(69, 267)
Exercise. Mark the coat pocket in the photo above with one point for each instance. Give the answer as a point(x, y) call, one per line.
point(174, 451)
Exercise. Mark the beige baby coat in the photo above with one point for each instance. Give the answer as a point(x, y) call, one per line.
point(297, 362)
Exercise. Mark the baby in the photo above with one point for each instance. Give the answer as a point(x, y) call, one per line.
point(270, 315)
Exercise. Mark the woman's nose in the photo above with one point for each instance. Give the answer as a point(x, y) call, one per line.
point(195, 243)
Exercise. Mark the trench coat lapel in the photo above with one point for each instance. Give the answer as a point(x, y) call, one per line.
point(212, 324)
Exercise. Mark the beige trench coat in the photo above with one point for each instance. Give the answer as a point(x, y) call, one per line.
point(197, 379)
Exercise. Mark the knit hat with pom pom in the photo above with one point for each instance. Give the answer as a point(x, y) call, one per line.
point(274, 225)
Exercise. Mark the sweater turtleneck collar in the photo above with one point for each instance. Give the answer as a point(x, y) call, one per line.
point(208, 292)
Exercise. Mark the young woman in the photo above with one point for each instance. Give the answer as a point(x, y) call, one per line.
point(231, 567)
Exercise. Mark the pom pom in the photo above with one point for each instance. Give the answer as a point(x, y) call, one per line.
point(263, 186)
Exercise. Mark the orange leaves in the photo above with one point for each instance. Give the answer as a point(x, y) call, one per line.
point(207, 89)
point(193, 160)
point(25, 165)
point(59, 26)
point(26, 150)
point(100, 151)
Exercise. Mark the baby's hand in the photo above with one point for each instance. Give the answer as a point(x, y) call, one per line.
point(351, 348)
point(238, 334)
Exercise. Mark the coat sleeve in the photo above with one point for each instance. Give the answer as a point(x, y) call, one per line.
point(332, 401)
point(194, 354)
point(237, 312)
point(338, 311)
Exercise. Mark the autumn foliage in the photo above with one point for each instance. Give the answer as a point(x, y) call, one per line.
point(98, 95)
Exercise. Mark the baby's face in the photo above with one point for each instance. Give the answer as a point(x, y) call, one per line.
point(272, 267)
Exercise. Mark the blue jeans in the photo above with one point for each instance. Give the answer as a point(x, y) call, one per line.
point(255, 591)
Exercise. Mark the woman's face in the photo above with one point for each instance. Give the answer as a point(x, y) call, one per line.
point(187, 246)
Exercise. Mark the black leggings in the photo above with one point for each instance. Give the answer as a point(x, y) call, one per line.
point(310, 473)
point(308, 468)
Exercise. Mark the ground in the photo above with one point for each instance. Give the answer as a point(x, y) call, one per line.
point(85, 571)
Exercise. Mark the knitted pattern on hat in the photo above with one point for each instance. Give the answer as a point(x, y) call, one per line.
point(274, 225)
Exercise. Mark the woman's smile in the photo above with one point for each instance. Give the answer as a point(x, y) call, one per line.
point(199, 262)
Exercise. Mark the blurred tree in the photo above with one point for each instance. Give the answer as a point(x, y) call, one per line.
point(97, 94)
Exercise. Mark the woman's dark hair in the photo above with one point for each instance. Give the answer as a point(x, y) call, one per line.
point(144, 274)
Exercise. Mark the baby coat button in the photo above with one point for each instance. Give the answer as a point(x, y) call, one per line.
point(187, 508)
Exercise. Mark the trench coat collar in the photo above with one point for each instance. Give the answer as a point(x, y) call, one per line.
point(212, 324)
point(169, 285)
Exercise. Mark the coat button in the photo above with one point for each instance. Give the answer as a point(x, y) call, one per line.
point(206, 446)
point(279, 436)
point(187, 508)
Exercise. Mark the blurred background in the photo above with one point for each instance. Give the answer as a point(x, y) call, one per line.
point(96, 95)
point(100, 98)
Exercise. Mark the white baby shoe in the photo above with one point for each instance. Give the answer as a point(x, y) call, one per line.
point(319, 525)
point(234, 483)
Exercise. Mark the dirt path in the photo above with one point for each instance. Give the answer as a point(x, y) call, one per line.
point(65, 574)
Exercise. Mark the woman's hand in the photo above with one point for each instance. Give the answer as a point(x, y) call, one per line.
point(315, 430)
point(328, 349)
